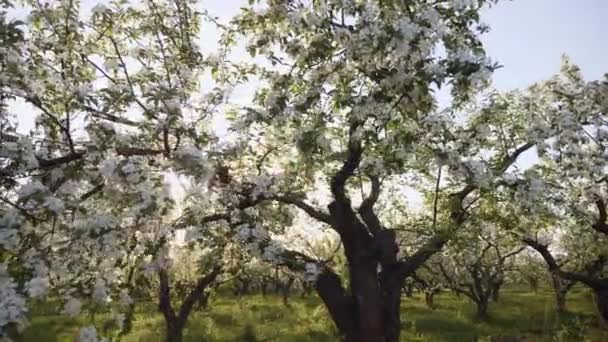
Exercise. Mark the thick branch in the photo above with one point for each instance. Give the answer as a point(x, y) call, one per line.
point(510, 159)
point(197, 292)
point(353, 159)
point(601, 226)
point(337, 301)
point(164, 297)
point(310, 210)
point(49, 163)
point(432, 246)
point(366, 210)
point(554, 267)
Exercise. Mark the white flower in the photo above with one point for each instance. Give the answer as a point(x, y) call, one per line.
point(125, 298)
point(243, 233)
point(99, 8)
point(30, 189)
point(88, 334)
point(13, 307)
point(129, 168)
point(461, 5)
point(72, 307)
point(100, 291)
point(10, 222)
point(54, 204)
point(69, 188)
point(509, 178)
point(272, 252)
point(120, 320)
point(38, 286)
point(83, 90)
point(107, 167)
point(173, 105)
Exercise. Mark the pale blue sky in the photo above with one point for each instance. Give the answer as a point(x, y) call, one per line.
point(529, 36)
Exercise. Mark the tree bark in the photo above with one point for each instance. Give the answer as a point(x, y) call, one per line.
point(174, 331)
point(496, 291)
point(429, 299)
point(560, 289)
point(286, 290)
point(601, 302)
point(482, 310)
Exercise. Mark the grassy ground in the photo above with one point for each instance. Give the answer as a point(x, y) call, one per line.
point(257, 318)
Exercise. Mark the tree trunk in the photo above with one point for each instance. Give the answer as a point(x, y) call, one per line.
point(601, 302)
point(560, 301)
point(428, 299)
point(174, 331)
point(408, 290)
point(482, 310)
point(533, 282)
point(286, 290)
point(560, 287)
point(369, 310)
point(372, 312)
point(496, 291)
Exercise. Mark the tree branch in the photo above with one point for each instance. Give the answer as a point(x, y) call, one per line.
point(353, 159)
point(554, 267)
point(311, 211)
point(366, 210)
point(432, 246)
point(196, 293)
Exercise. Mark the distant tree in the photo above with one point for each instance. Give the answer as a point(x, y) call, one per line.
point(476, 264)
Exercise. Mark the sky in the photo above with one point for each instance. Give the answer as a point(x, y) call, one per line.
point(528, 38)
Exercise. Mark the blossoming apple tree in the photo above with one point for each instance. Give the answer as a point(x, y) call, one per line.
point(348, 97)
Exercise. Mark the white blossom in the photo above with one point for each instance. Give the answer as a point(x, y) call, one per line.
point(54, 204)
point(107, 167)
point(72, 307)
point(13, 307)
point(89, 334)
point(100, 291)
point(37, 286)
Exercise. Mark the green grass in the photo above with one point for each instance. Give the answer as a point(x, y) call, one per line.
point(257, 318)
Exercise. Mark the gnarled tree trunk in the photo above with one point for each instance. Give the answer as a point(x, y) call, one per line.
point(176, 321)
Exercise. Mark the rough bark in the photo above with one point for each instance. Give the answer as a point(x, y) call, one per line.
point(601, 302)
point(561, 287)
point(496, 291)
point(174, 331)
point(482, 310)
point(429, 299)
